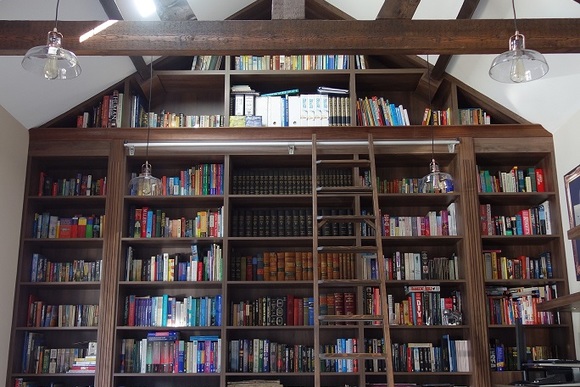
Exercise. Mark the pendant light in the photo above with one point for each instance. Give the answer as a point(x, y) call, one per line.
point(518, 65)
point(146, 184)
point(435, 181)
point(52, 61)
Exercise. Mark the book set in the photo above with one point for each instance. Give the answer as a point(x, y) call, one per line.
point(79, 185)
point(377, 111)
point(296, 62)
point(417, 265)
point(528, 221)
point(342, 345)
point(79, 270)
point(204, 264)
point(106, 114)
point(289, 108)
point(271, 222)
point(288, 310)
point(206, 62)
point(260, 355)
point(165, 352)
point(148, 222)
point(337, 304)
point(507, 305)
point(500, 267)
point(169, 311)
point(517, 179)
point(50, 226)
point(38, 358)
point(434, 223)
point(505, 358)
point(44, 314)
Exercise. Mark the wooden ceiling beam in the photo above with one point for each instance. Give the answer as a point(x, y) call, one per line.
point(465, 12)
point(398, 9)
point(233, 37)
point(288, 9)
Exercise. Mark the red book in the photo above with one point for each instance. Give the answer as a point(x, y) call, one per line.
point(138, 223)
point(349, 303)
point(540, 184)
point(144, 214)
point(339, 303)
point(418, 298)
point(299, 302)
point(65, 228)
point(290, 309)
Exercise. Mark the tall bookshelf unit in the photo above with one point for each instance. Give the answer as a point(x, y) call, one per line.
point(246, 231)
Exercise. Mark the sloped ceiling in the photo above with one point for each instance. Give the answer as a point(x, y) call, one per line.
point(549, 101)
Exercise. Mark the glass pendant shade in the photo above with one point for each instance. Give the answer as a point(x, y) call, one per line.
point(52, 61)
point(518, 65)
point(436, 181)
point(145, 184)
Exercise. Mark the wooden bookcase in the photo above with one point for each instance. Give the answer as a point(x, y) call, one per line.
point(108, 152)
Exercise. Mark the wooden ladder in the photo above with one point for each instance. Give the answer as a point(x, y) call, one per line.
point(358, 248)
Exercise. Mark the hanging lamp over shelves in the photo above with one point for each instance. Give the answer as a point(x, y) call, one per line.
point(145, 184)
point(435, 181)
point(51, 60)
point(518, 64)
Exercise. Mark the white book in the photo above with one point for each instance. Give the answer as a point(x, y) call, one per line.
point(294, 105)
point(274, 110)
point(261, 108)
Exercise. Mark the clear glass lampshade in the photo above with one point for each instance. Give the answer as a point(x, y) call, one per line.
point(436, 181)
point(518, 65)
point(145, 184)
point(52, 61)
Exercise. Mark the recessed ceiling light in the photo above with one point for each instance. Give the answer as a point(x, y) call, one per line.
point(145, 7)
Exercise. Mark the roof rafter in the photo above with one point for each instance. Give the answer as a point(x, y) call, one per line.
point(398, 9)
point(233, 37)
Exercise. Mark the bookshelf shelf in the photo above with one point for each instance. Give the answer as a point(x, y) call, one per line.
point(208, 92)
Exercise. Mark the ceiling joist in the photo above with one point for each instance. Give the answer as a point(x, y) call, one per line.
point(234, 37)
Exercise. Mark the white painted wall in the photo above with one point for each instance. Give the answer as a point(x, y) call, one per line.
point(13, 155)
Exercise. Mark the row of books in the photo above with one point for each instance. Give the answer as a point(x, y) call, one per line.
point(168, 311)
point(106, 114)
point(517, 179)
point(165, 119)
point(505, 358)
point(207, 62)
point(529, 221)
point(403, 185)
point(288, 310)
point(473, 116)
point(286, 181)
point(79, 270)
point(337, 304)
point(265, 356)
point(342, 345)
point(50, 226)
point(413, 266)
point(42, 314)
point(296, 62)
point(147, 222)
point(434, 223)
point(79, 185)
point(200, 179)
point(289, 222)
point(437, 117)
point(206, 265)
point(291, 266)
point(37, 358)
point(498, 266)
point(377, 111)
point(506, 305)
point(421, 305)
point(452, 355)
point(289, 110)
point(165, 352)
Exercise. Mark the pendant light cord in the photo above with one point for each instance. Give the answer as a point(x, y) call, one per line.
point(514, 9)
point(430, 108)
point(149, 108)
point(56, 15)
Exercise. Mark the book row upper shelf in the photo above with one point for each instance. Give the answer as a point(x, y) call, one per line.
point(189, 92)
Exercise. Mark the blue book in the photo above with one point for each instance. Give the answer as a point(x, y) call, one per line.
point(164, 310)
point(218, 310)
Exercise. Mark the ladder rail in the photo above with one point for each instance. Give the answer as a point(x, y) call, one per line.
point(374, 221)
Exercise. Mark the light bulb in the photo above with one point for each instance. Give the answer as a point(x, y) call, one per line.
point(51, 67)
point(518, 70)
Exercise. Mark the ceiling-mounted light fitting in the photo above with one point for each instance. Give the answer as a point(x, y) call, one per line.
point(518, 64)
point(146, 184)
point(52, 61)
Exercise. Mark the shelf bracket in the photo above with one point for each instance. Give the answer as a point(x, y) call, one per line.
point(291, 149)
point(451, 147)
point(131, 150)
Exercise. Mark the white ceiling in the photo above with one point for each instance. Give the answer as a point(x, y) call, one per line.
point(550, 101)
